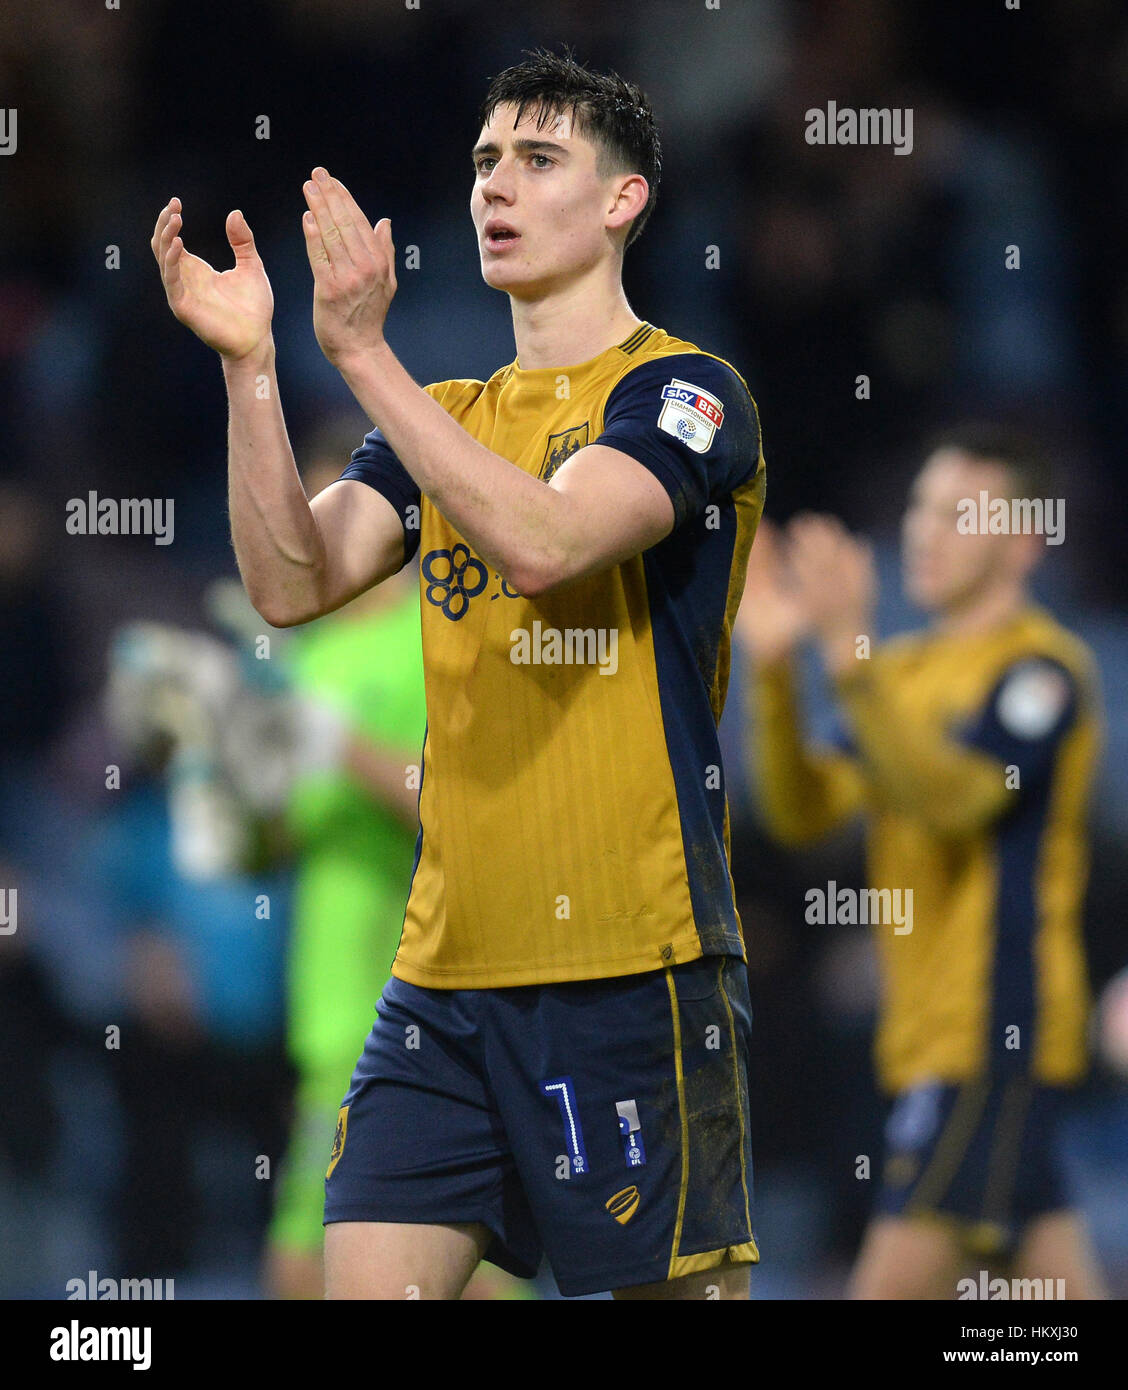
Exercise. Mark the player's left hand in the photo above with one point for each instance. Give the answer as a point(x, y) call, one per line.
point(354, 269)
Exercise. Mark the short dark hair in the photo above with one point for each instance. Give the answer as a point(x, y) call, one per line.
point(612, 112)
point(1025, 458)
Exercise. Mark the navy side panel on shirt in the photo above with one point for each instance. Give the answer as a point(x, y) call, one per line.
point(688, 577)
point(1023, 721)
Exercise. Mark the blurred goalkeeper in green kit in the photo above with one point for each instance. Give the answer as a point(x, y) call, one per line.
point(354, 825)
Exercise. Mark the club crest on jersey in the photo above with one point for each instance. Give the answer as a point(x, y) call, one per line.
point(1033, 699)
point(690, 414)
point(561, 447)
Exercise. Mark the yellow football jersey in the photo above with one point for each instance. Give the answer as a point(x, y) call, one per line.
point(973, 757)
point(574, 824)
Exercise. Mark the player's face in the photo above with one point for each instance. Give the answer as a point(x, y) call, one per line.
point(945, 567)
point(538, 205)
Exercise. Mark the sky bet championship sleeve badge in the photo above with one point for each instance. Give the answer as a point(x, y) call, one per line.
point(690, 414)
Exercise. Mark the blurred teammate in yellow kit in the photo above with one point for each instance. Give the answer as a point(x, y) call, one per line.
point(970, 749)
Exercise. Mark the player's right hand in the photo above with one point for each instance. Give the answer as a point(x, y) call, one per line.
point(772, 619)
point(230, 310)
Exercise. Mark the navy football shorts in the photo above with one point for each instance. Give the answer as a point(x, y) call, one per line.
point(604, 1123)
point(985, 1153)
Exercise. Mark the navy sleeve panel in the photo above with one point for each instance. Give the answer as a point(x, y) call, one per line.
point(690, 420)
point(374, 463)
point(1028, 713)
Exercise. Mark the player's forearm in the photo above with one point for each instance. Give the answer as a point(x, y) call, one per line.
point(278, 547)
point(514, 522)
point(802, 794)
point(913, 766)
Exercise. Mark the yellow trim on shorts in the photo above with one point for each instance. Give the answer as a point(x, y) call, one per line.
point(1006, 1147)
point(679, 1076)
point(743, 1254)
point(951, 1147)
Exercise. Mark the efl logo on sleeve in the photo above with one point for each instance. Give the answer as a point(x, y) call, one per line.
point(690, 414)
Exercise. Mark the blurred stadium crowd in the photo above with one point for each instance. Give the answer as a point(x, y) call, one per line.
point(828, 264)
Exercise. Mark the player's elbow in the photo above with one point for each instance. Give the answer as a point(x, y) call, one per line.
point(534, 585)
point(281, 618)
point(552, 566)
point(526, 582)
point(533, 576)
point(280, 612)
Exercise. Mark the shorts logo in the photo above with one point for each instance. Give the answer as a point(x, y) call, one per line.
point(690, 414)
point(624, 1204)
point(565, 1093)
point(915, 1117)
point(453, 578)
point(561, 447)
point(338, 1139)
point(631, 1130)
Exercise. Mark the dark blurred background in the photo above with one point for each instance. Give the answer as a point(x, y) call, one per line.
point(833, 263)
